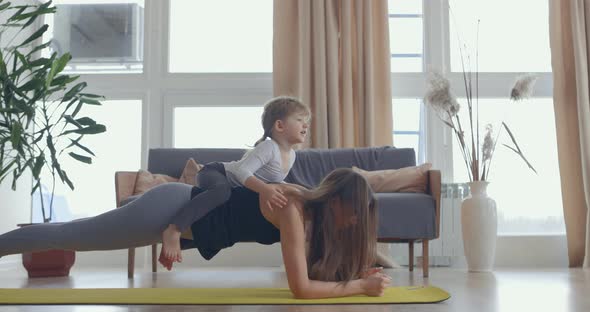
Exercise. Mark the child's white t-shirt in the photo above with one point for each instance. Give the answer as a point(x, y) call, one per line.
point(264, 162)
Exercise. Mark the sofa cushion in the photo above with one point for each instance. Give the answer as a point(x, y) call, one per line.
point(146, 180)
point(406, 180)
point(312, 165)
point(406, 215)
point(189, 173)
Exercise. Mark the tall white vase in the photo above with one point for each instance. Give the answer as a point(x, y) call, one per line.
point(479, 222)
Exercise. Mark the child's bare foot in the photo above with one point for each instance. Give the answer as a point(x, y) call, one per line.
point(171, 243)
point(165, 261)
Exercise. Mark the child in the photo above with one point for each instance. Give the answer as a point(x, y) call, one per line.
point(263, 169)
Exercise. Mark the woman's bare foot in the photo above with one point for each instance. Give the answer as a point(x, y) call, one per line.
point(171, 243)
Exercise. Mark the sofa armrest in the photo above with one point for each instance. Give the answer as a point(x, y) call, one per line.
point(433, 188)
point(124, 185)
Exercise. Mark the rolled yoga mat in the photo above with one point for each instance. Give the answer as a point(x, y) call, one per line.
point(213, 296)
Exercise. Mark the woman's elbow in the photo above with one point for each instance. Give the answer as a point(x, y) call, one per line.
point(300, 291)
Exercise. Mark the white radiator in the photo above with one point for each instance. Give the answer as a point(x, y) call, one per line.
point(447, 250)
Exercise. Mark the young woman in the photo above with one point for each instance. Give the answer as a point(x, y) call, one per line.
point(340, 217)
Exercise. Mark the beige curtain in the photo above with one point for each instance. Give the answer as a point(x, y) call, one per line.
point(334, 55)
point(570, 39)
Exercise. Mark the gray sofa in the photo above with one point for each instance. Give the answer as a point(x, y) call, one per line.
point(403, 217)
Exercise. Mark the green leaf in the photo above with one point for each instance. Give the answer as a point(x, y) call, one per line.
point(42, 61)
point(84, 148)
point(87, 121)
point(56, 67)
point(90, 95)
point(77, 109)
point(22, 59)
point(18, 12)
point(90, 101)
point(74, 91)
point(32, 84)
point(3, 70)
point(4, 6)
point(35, 35)
point(39, 47)
point(38, 138)
point(67, 180)
point(78, 157)
point(16, 133)
point(94, 129)
point(37, 184)
point(4, 172)
point(72, 121)
point(63, 80)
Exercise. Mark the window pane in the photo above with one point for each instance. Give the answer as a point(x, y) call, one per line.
point(102, 36)
point(220, 36)
point(405, 6)
point(507, 42)
point(516, 188)
point(117, 149)
point(406, 64)
point(407, 126)
point(230, 127)
point(406, 114)
point(407, 140)
point(405, 35)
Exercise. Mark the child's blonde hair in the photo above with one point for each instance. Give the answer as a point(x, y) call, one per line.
point(279, 108)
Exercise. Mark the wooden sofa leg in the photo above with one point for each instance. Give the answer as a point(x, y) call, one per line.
point(425, 257)
point(154, 257)
point(411, 255)
point(130, 262)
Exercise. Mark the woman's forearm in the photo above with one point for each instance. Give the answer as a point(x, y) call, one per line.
point(320, 289)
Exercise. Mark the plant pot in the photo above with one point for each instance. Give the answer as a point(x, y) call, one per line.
point(479, 224)
point(49, 263)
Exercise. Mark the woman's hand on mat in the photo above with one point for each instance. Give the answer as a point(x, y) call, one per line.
point(272, 196)
point(374, 285)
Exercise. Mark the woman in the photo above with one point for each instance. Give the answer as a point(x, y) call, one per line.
point(339, 216)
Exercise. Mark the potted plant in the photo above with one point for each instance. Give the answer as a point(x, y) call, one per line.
point(478, 211)
point(40, 118)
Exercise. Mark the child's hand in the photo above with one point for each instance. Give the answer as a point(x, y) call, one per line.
point(272, 196)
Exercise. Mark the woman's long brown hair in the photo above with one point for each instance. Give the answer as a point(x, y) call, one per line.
point(341, 253)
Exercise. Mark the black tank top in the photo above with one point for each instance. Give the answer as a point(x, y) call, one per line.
point(238, 220)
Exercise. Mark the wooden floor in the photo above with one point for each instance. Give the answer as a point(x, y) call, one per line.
point(558, 290)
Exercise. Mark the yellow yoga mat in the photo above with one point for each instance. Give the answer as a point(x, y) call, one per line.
point(220, 296)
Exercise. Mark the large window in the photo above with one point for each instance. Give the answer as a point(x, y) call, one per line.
point(221, 36)
point(504, 47)
point(103, 36)
point(406, 35)
point(507, 41)
point(117, 149)
point(408, 126)
point(223, 127)
point(517, 189)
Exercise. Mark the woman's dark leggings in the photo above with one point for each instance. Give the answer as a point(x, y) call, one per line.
point(138, 223)
point(216, 190)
